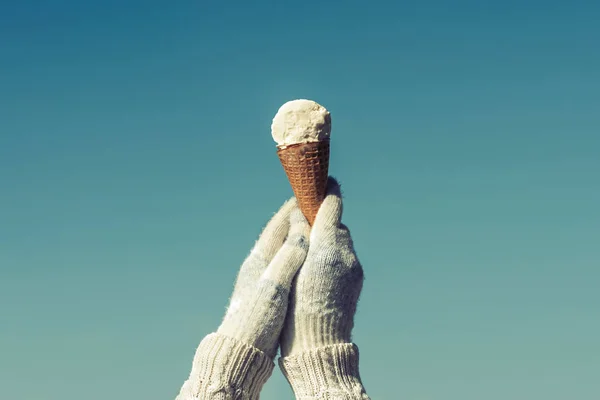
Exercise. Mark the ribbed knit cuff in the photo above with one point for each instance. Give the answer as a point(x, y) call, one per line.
point(329, 372)
point(225, 369)
point(315, 330)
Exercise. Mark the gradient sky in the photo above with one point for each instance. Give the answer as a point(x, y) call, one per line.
point(137, 169)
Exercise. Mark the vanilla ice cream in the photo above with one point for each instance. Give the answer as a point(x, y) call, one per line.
point(300, 121)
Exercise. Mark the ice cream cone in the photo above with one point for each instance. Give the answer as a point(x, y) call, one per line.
point(302, 130)
point(307, 168)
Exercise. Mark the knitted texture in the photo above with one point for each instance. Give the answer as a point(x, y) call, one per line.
point(225, 369)
point(235, 362)
point(258, 306)
point(326, 373)
point(318, 359)
point(326, 290)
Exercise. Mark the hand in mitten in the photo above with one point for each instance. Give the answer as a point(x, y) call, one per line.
point(236, 361)
point(318, 358)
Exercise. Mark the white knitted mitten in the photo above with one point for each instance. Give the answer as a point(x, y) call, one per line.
point(318, 358)
point(258, 306)
point(236, 361)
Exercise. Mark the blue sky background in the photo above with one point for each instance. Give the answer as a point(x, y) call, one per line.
point(137, 169)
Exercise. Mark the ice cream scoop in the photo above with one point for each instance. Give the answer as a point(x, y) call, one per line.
point(301, 129)
point(301, 121)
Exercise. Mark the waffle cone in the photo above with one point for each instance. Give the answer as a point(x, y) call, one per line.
point(307, 168)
